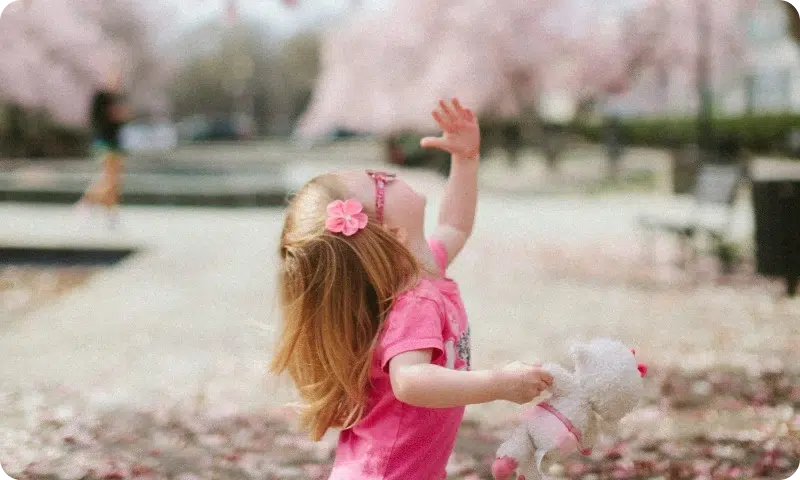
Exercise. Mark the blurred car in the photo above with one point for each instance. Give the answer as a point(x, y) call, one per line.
point(218, 129)
point(343, 134)
point(200, 129)
point(143, 136)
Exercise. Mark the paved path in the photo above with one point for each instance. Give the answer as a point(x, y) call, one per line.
point(195, 310)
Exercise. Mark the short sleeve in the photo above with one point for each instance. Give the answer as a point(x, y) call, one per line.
point(414, 323)
point(439, 253)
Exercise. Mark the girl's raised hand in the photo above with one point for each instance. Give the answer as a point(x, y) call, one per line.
point(461, 135)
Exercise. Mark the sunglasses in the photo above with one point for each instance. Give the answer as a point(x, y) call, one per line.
point(380, 179)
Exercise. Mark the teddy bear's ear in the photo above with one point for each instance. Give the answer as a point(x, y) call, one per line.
point(579, 354)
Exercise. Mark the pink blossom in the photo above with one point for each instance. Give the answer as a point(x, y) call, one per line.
point(381, 71)
point(54, 54)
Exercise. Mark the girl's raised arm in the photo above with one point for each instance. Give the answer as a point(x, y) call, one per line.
point(461, 138)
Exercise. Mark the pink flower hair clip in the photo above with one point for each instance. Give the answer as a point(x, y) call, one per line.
point(346, 217)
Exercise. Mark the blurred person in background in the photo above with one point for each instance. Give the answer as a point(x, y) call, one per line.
point(108, 115)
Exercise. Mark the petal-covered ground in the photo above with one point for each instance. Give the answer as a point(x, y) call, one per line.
point(716, 425)
point(699, 421)
point(23, 289)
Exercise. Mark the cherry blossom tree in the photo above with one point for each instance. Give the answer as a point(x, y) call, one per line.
point(381, 72)
point(49, 67)
point(691, 43)
point(54, 53)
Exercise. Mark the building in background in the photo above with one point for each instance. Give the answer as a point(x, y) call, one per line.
point(772, 84)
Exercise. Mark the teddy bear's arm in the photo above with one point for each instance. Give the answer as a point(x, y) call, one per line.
point(563, 381)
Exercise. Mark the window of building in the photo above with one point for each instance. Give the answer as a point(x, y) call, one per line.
point(768, 90)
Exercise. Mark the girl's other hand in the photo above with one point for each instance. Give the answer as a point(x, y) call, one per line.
point(461, 135)
point(521, 382)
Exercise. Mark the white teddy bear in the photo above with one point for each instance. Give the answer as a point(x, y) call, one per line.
point(606, 385)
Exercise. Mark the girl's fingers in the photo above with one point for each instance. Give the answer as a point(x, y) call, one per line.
point(449, 114)
point(443, 122)
point(451, 117)
point(440, 120)
point(542, 386)
point(462, 112)
point(469, 115)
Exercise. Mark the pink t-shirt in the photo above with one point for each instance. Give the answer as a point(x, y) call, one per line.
point(394, 440)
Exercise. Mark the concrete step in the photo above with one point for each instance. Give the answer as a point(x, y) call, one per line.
point(199, 189)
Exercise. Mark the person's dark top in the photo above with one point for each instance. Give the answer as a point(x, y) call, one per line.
point(104, 127)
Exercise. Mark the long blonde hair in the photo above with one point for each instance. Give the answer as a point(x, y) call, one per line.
point(334, 293)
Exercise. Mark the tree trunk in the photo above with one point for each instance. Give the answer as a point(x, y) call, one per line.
point(17, 136)
point(512, 139)
point(394, 152)
point(704, 113)
point(552, 146)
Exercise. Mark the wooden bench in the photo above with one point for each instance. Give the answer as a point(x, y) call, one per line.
point(714, 195)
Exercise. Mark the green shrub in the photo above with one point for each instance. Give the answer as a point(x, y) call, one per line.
point(34, 134)
point(763, 134)
point(416, 156)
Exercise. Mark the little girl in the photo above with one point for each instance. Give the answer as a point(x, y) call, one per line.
point(375, 335)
